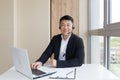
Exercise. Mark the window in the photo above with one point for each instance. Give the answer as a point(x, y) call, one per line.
point(96, 14)
point(115, 12)
point(104, 34)
point(115, 55)
point(97, 49)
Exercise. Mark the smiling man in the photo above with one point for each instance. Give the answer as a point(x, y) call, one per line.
point(67, 47)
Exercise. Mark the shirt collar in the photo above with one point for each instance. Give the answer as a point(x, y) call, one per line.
point(67, 38)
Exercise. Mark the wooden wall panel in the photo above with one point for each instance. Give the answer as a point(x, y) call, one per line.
point(64, 7)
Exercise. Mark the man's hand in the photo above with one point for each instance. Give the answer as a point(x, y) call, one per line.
point(52, 62)
point(36, 65)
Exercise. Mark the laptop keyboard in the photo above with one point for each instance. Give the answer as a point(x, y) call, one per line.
point(37, 72)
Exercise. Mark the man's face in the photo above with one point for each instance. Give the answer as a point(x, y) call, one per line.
point(66, 27)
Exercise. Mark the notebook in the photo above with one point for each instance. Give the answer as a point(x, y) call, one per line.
point(22, 64)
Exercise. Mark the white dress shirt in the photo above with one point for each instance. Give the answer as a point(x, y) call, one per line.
point(62, 55)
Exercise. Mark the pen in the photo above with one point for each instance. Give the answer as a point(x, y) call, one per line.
point(75, 73)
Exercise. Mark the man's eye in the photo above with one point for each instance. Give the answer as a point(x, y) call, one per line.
point(68, 25)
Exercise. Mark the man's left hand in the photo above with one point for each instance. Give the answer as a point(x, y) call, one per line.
point(52, 62)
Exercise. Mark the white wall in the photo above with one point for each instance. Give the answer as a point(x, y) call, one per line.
point(83, 24)
point(33, 25)
point(24, 24)
point(6, 33)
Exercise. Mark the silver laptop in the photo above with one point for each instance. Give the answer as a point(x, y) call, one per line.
point(22, 65)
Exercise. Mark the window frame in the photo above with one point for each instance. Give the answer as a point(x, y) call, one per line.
point(109, 29)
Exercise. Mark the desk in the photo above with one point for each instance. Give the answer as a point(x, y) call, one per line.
point(85, 72)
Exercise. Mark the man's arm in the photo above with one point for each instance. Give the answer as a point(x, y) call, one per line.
point(47, 53)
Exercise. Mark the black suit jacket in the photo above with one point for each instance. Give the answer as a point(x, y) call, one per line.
point(74, 51)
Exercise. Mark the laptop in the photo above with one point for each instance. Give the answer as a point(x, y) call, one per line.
point(22, 64)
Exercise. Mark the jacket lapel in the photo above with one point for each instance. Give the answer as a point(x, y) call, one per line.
point(70, 42)
point(58, 46)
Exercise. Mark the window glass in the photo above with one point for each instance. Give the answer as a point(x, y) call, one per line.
point(96, 14)
point(97, 49)
point(115, 55)
point(96, 21)
point(115, 12)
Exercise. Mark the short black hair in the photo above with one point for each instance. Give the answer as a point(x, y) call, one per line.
point(66, 17)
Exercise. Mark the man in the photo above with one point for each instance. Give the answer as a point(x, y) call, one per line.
point(67, 47)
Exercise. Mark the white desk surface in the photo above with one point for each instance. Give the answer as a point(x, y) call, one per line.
point(85, 72)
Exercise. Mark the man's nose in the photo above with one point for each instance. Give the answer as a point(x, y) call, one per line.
point(65, 27)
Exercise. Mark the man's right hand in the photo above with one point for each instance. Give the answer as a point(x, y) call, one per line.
point(36, 65)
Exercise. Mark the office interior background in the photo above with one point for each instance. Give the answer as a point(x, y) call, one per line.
point(30, 24)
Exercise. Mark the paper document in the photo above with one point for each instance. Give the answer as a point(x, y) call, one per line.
point(64, 73)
